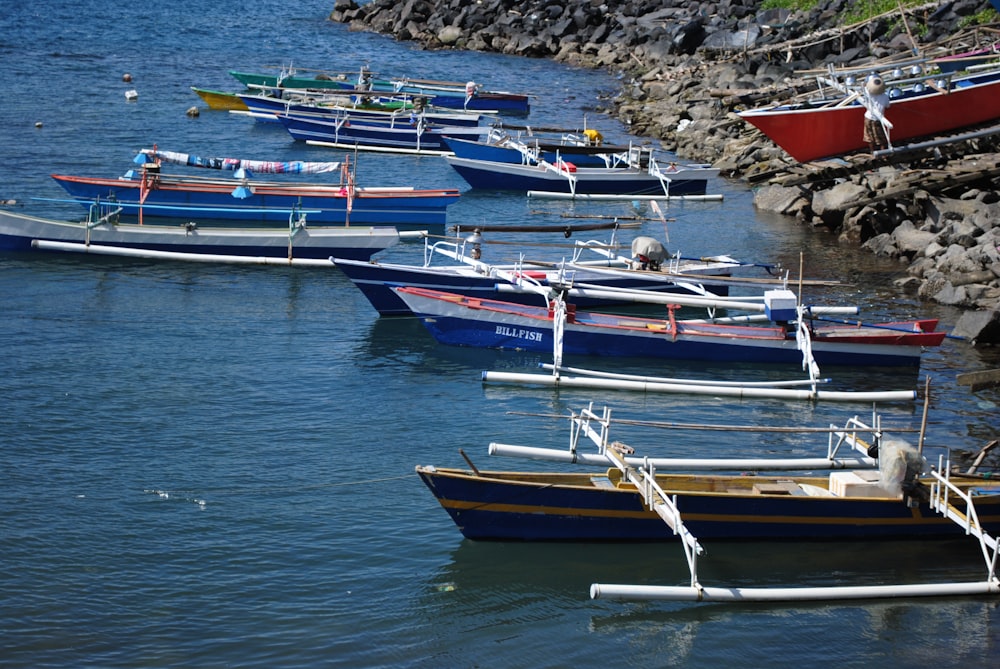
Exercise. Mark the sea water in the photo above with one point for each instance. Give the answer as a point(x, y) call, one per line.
point(214, 465)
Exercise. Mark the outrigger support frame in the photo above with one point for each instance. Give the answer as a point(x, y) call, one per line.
point(945, 498)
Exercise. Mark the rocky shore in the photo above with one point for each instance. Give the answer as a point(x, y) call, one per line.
point(689, 66)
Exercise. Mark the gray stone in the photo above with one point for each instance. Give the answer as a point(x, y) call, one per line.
point(982, 327)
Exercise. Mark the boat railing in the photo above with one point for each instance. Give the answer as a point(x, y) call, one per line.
point(803, 340)
point(655, 171)
point(959, 506)
point(944, 497)
point(595, 427)
point(103, 211)
point(849, 435)
point(919, 79)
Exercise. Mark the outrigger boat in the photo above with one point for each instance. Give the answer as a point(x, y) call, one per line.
point(344, 108)
point(581, 149)
point(150, 194)
point(402, 135)
point(454, 95)
point(102, 234)
point(475, 278)
point(882, 489)
point(469, 321)
point(639, 176)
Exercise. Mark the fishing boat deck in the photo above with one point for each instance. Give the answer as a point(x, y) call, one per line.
point(853, 484)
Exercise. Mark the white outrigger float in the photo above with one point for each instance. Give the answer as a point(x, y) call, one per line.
point(761, 308)
point(954, 503)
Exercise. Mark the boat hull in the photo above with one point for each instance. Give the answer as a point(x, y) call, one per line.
point(220, 100)
point(377, 280)
point(514, 506)
point(490, 175)
point(459, 321)
point(513, 103)
point(18, 232)
point(270, 203)
point(580, 156)
point(401, 137)
point(812, 133)
point(262, 106)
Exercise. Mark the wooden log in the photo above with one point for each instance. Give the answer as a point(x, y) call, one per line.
point(979, 380)
point(983, 452)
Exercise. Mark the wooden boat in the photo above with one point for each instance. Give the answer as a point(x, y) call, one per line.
point(266, 108)
point(151, 194)
point(398, 136)
point(855, 501)
point(903, 497)
point(899, 496)
point(468, 321)
point(452, 96)
point(220, 100)
point(582, 506)
point(645, 177)
point(472, 277)
point(295, 243)
point(919, 107)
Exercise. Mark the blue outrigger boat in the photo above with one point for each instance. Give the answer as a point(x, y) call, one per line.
point(475, 278)
point(642, 176)
point(148, 193)
point(882, 489)
point(502, 147)
point(451, 95)
point(414, 136)
point(460, 320)
point(267, 108)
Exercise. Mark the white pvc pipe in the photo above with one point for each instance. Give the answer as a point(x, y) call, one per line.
point(649, 297)
point(695, 382)
point(703, 594)
point(553, 195)
point(377, 149)
point(702, 464)
point(129, 252)
point(741, 392)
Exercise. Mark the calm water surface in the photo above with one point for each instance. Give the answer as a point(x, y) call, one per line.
point(213, 466)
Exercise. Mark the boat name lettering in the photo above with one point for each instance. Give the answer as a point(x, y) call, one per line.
point(518, 333)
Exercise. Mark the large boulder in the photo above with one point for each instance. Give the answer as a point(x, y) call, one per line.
point(980, 327)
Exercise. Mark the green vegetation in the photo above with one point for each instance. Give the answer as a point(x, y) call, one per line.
point(866, 9)
point(988, 15)
point(862, 10)
point(804, 5)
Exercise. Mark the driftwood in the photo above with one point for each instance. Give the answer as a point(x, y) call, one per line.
point(983, 452)
point(979, 380)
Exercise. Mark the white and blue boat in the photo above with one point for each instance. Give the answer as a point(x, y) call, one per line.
point(267, 108)
point(502, 147)
point(376, 279)
point(643, 176)
point(402, 135)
